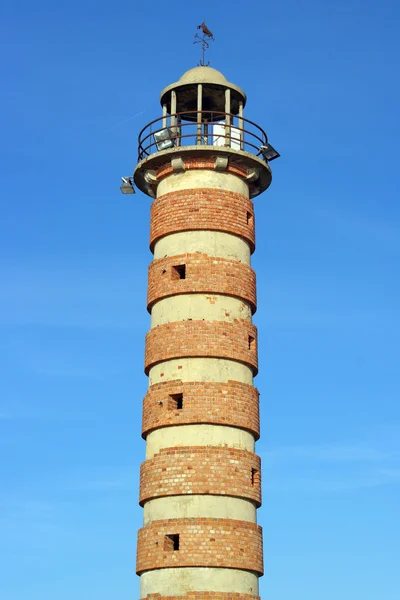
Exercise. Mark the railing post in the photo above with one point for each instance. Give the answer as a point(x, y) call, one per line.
point(164, 112)
point(173, 110)
point(199, 113)
point(178, 131)
point(240, 123)
point(227, 117)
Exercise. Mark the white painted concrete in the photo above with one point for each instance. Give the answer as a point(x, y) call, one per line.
point(210, 307)
point(187, 507)
point(200, 369)
point(199, 178)
point(178, 581)
point(213, 243)
point(198, 435)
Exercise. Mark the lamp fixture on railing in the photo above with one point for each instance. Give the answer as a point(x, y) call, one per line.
point(163, 139)
point(269, 153)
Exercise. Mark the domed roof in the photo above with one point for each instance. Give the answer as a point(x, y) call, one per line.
point(214, 85)
point(203, 75)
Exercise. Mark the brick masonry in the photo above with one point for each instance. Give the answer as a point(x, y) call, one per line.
point(218, 339)
point(207, 470)
point(203, 274)
point(232, 403)
point(202, 208)
point(202, 542)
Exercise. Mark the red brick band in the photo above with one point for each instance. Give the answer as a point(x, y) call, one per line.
point(200, 164)
point(203, 208)
point(202, 274)
point(204, 596)
point(201, 470)
point(202, 543)
point(217, 339)
point(234, 404)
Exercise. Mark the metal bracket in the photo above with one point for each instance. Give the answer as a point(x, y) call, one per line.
point(221, 163)
point(177, 164)
point(150, 177)
point(252, 175)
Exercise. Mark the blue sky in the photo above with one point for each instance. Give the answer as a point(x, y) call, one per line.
point(322, 79)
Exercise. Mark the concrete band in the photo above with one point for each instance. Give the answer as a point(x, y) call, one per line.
point(234, 341)
point(202, 543)
point(199, 506)
point(203, 178)
point(201, 470)
point(233, 403)
point(200, 273)
point(176, 581)
point(202, 209)
point(198, 435)
point(200, 369)
point(198, 306)
point(212, 243)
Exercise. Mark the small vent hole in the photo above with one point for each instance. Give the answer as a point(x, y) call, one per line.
point(250, 219)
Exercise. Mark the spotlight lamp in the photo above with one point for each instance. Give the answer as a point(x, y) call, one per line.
point(269, 153)
point(127, 185)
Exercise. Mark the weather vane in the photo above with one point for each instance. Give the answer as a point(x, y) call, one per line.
point(204, 38)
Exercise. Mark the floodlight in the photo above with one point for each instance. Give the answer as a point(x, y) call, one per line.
point(163, 139)
point(269, 152)
point(127, 185)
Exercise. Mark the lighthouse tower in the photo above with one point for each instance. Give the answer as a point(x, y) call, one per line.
point(202, 162)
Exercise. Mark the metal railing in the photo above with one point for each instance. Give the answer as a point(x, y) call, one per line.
point(213, 129)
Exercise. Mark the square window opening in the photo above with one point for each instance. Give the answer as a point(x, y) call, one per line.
point(250, 219)
point(171, 542)
point(255, 478)
point(179, 272)
point(252, 343)
point(176, 401)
